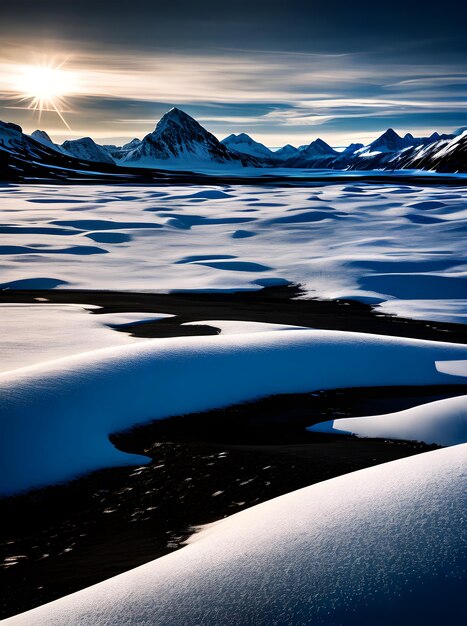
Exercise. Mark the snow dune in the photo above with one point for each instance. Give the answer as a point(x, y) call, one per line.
point(371, 547)
point(34, 333)
point(56, 417)
point(443, 422)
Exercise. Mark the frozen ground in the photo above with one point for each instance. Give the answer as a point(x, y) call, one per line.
point(399, 245)
point(384, 545)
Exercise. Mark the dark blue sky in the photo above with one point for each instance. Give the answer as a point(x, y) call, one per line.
point(282, 71)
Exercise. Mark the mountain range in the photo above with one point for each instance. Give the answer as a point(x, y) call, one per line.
point(180, 142)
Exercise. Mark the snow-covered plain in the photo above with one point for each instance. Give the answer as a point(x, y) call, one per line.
point(400, 245)
point(34, 333)
point(443, 422)
point(56, 416)
point(384, 546)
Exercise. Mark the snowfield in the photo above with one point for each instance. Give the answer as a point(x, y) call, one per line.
point(384, 545)
point(402, 246)
point(443, 422)
point(56, 416)
point(34, 333)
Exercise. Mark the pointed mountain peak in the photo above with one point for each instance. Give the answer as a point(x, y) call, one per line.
point(318, 148)
point(391, 133)
point(177, 117)
point(131, 144)
point(42, 136)
point(389, 141)
point(179, 138)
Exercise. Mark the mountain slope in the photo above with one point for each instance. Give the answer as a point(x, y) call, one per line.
point(180, 139)
point(246, 145)
point(445, 155)
point(286, 152)
point(86, 148)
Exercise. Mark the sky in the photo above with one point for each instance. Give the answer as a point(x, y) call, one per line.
point(282, 71)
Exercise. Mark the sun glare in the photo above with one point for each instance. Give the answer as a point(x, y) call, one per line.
point(45, 87)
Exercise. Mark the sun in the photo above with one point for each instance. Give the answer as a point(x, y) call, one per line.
point(45, 87)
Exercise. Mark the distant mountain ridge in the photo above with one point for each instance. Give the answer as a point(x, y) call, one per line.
point(179, 141)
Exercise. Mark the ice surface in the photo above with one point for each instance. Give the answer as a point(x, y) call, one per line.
point(379, 546)
point(400, 245)
point(56, 416)
point(443, 422)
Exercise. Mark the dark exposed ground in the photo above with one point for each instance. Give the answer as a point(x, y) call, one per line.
point(204, 467)
point(281, 305)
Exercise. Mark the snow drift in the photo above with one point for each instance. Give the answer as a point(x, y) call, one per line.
point(443, 422)
point(379, 546)
point(56, 417)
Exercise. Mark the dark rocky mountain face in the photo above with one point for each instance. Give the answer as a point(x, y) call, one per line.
point(445, 155)
point(389, 141)
point(178, 136)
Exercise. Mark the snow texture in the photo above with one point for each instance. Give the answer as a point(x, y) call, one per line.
point(402, 246)
point(236, 327)
point(381, 546)
point(87, 149)
point(34, 333)
point(56, 416)
point(443, 422)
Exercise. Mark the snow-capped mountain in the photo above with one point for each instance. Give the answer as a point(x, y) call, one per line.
point(179, 139)
point(131, 145)
point(180, 142)
point(286, 152)
point(389, 141)
point(246, 145)
point(351, 149)
point(86, 148)
point(315, 152)
point(445, 155)
point(318, 148)
point(42, 137)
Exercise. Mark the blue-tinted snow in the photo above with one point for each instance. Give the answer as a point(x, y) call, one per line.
point(387, 243)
